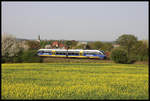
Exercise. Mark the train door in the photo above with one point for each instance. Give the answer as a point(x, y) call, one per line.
point(81, 53)
point(53, 52)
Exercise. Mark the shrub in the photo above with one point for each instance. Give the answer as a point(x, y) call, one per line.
point(131, 59)
point(119, 55)
point(3, 60)
point(17, 59)
point(6, 60)
point(28, 56)
point(31, 56)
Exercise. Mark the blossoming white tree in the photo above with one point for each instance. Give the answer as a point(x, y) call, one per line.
point(10, 46)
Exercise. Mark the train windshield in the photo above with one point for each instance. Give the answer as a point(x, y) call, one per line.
point(101, 52)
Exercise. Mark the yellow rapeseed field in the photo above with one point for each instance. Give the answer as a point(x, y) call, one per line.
point(74, 81)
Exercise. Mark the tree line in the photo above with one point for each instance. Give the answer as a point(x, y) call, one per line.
point(130, 49)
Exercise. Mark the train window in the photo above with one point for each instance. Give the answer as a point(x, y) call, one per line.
point(76, 53)
point(71, 53)
point(41, 51)
point(89, 53)
point(46, 52)
point(60, 53)
point(95, 53)
point(100, 53)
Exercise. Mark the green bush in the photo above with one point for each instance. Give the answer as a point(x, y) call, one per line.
point(17, 59)
point(142, 57)
point(131, 59)
point(31, 56)
point(6, 60)
point(3, 60)
point(28, 56)
point(119, 55)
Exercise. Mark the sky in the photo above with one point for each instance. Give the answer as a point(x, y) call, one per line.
point(90, 21)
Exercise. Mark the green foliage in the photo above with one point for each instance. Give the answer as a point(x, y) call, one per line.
point(82, 46)
point(44, 43)
point(145, 42)
point(73, 44)
point(18, 57)
point(107, 46)
point(119, 55)
point(137, 50)
point(5, 59)
point(2, 60)
point(131, 59)
point(140, 51)
point(68, 43)
point(31, 56)
point(96, 45)
point(15, 59)
point(23, 56)
point(33, 45)
point(127, 41)
point(88, 46)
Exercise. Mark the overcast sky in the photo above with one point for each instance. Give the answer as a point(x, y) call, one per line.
point(92, 21)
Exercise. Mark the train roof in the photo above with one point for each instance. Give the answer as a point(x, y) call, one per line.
point(69, 50)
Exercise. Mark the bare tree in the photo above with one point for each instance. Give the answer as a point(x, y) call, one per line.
point(10, 46)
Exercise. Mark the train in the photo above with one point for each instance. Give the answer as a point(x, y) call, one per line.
point(71, 53)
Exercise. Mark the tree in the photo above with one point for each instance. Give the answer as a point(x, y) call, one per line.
point(107, 46)
point(145, 42)
point(127, 41)
point(96, 45)
point(10, 46)
point(33, 45)
point(119, 55)
point(44, 43)
point(73, 43)
point(31, 56)
point(140, 50)
point(81, 46)
point(87, 46)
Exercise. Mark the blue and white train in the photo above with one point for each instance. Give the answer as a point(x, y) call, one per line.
point(72, 53)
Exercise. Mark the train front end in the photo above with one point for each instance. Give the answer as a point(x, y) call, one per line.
point(102, 55)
